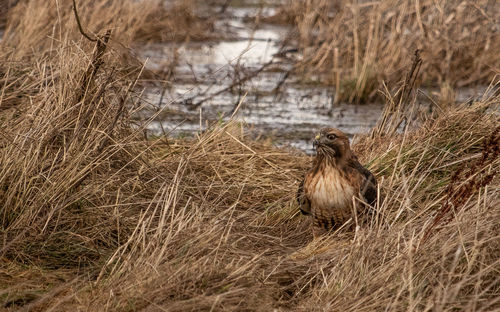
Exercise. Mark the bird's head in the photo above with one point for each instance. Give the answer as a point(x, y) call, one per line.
point(332, 143)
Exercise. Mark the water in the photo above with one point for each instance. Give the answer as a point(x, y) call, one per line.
point(200, 93)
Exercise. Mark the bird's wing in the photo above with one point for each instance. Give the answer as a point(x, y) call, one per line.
point(368, 187)
point(304, 203)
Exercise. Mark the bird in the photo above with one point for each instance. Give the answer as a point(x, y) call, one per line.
point(336, 185)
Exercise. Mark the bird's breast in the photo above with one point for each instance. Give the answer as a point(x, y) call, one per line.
point(329, 188)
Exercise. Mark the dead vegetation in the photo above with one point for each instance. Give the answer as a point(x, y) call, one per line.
point(355, 45)
point(96, 217)
point(131, 21)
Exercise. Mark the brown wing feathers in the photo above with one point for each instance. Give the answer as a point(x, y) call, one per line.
point(302, 200)
point(368, 187)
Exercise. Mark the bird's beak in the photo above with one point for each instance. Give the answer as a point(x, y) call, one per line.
point(316, 141)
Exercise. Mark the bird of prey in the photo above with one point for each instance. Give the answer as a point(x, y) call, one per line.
point(329, 188)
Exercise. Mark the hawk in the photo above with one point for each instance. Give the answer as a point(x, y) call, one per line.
point(329, 188)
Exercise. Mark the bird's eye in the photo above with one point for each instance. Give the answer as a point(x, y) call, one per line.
point(331, 136)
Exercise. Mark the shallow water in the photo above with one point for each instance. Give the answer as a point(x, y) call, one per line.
point(200, 96)
point(292, 119)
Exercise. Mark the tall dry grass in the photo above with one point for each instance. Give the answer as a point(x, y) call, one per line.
point(35, 25)
point(96, 217)
point(355, 45)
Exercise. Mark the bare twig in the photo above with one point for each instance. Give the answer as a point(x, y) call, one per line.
point(80, 24)
point(238, 82)
point(396, 109)
point(410, 79)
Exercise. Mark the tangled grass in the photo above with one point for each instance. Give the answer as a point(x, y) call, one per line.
point(94, 216)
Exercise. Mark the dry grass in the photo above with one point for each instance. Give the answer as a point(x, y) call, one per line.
point(95, 217)
point(141, 21)
point(355, 45)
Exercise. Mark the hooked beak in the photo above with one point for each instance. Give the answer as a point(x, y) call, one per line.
point(316, 141)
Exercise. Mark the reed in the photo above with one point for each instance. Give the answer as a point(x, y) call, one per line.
point(376, 39)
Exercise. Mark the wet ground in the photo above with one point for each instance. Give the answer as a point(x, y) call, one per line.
point(212, 79)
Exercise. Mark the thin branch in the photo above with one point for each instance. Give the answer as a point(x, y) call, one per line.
point(80, 25)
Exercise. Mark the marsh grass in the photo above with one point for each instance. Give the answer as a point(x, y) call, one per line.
point(356, 45)
point(96, 217)
point(27, 30)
